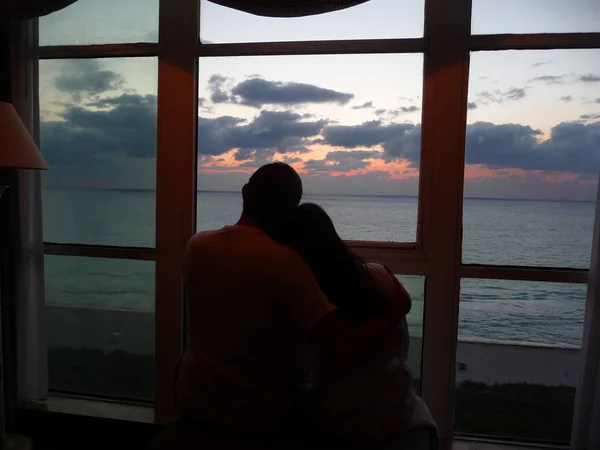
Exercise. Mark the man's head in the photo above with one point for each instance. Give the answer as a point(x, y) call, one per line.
point(271, 194)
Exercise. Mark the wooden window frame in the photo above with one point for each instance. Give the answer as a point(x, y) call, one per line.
point(436, 254)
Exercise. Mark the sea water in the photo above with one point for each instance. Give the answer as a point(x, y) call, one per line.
point(500, 232)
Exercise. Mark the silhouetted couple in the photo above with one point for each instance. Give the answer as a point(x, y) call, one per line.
point(294, 340)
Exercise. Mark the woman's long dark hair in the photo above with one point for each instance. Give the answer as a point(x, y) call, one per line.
point(338, 271)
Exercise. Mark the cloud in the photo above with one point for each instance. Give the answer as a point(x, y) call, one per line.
point(549, 79)
point(342, 161)
point(85, 77)
point(394, 113)
point(590, 116)
point(257, 92)
point(204, 104)
point(472, 105)
point(367, 105)
point(597, 100)
point(404, 110)
point(497, 96)
point(125, 126)
point(399, 141)
point(218, 90)
point(268, 133)
point(540, 63)
point(590, 78)
point(571, 147)
point(566, 98)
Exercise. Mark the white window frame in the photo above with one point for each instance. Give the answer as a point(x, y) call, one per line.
point(436, 254)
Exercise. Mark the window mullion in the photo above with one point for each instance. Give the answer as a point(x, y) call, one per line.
point(446, 71)
point(175, 185)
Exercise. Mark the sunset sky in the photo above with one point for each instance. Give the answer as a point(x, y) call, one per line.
point(349, 124)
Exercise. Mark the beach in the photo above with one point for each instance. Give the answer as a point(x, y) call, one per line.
point(489, 362)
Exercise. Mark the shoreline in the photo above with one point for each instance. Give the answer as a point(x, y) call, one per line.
point(479, 360)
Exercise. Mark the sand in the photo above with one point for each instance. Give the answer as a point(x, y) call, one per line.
point(477, 360)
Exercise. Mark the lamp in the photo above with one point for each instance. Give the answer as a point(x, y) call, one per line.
point(17, 151)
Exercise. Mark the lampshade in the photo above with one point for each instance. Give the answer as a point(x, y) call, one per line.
point(17, 149)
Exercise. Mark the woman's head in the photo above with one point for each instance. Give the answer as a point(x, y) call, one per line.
point(312, 234)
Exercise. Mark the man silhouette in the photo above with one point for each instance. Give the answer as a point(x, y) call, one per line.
point(251, 303)
point(254, 308)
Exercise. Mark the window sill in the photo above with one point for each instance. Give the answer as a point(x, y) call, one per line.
point(95, 408)
point(464, 443)
point(145, 414)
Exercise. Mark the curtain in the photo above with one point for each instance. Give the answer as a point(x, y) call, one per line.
point(586, 420)
point(29, 307)
point(287, 8)
point(28, 9)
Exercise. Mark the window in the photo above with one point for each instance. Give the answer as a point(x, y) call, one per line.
point(98, 132)
point(377, 19)
point(532, 158)
point(414, 129)
point(100, 326)
point(415, 286)
point(517, 358)
point(535, 16)
point(349, 129)
point(110, 22)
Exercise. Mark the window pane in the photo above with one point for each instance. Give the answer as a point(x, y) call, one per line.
point(100, 326)
point(533, 155)
point(517, 358)
point(415, 285)
point(346, 123)
point(535, 16)
point(106, 22)
point(376, 19)
point(98, 134)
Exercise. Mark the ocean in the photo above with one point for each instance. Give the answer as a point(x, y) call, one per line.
point(512, 232)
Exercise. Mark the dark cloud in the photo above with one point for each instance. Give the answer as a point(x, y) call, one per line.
point(214, 134)
point(367, 105)
point(131, 100)
point(86, 77)
point(590, 116)
point(589, 78)
point(217, 86)
point(342, 161)
point(597, 100)
point(269, 133)
point(405, 110)
point(497, 96)
point(257, 92)
point(394, 113)
point(566, 98)
point(472, 105)
point(549, 79)
point(399, 141)
point(540, 63)
point(514, 94)
point(125, 126)
point(571, 147)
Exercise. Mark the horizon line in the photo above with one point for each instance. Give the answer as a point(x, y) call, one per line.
point(324, 194)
